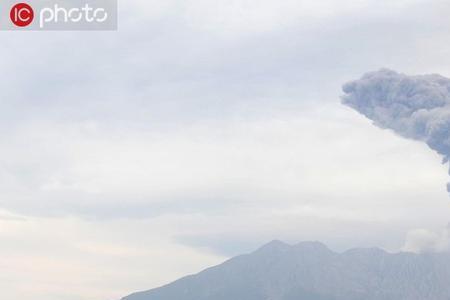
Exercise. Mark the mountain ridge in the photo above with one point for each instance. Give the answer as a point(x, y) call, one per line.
point(311, 271)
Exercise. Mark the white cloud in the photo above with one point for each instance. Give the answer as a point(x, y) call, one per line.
point(423, 240)
point(99, 172)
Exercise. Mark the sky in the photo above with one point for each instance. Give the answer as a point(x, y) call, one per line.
point(203, 129)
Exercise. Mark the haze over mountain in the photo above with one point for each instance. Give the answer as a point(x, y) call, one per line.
point(311, 271)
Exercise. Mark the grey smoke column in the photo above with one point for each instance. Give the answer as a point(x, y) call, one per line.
point(415, 107)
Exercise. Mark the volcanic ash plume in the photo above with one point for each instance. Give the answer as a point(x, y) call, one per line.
point(415, 107)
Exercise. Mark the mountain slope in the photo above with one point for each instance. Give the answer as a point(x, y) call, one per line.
point(310, 271)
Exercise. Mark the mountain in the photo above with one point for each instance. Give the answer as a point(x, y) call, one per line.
point(311, 271)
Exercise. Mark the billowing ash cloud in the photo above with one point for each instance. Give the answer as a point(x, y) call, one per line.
point(415, 107)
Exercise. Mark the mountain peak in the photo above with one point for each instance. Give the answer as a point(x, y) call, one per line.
point(313, 245)
point(310, 270)
point(276, 244)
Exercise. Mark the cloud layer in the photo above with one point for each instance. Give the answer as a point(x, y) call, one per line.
point(201, 127)
point(415, 107)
